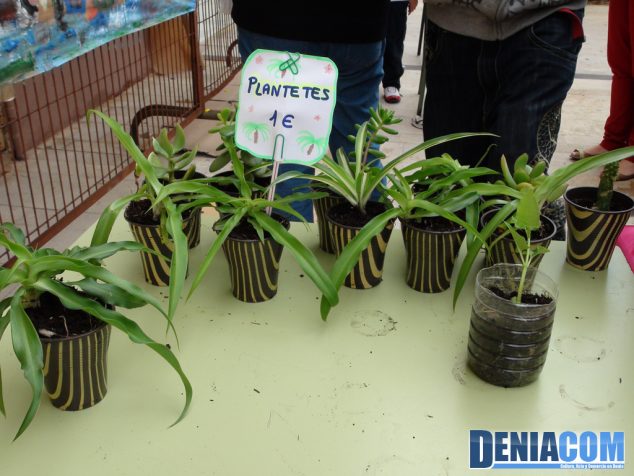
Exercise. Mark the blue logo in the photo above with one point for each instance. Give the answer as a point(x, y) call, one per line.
point(546, 450)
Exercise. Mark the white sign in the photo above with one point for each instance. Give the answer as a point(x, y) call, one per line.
point(287, 101)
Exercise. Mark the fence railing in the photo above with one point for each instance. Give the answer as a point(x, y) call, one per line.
point(55, 164)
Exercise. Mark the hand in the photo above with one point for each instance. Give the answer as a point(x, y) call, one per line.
point(412, 5)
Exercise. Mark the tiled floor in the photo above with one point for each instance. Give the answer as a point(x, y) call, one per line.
point(582, 122)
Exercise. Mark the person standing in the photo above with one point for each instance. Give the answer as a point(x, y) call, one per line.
point(619, 127)
point(394, 47)
point(503, 67)
point(349, 33)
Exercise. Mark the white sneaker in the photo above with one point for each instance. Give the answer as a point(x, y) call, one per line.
point(392, 95)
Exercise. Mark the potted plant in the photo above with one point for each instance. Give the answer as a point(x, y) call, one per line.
point(256, 170)
point(357, 183)
point(501, 246)
point(252, 238)
point(531, 200)
point(60, 329)
point(433, 238)
point(166, 226)
point(596, 217)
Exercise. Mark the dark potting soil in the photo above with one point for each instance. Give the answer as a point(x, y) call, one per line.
point(53, 317)
point(139, 212)
point(245, 231)
point(349, 215)
point(434, 224)
point(527, 298)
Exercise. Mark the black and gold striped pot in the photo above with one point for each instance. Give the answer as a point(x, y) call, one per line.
point(592, 234)
point(156, 268)
point(369, 271)
point(76, 370)
point(254, 266)
point(322, 205)
point(431, 256)
point(504, 250)
point(192, 227)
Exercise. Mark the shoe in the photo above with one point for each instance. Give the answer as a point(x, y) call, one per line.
point(417, 122)
point(582, 154)
point(391, 95)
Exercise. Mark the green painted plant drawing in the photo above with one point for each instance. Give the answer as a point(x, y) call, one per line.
point(256, 130)
point(308, 143)
point(274, 67)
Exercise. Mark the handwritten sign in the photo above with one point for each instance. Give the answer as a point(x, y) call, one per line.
point(287, 101)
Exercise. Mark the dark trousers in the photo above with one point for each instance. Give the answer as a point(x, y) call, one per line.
point(394, 45)
point(513, 88)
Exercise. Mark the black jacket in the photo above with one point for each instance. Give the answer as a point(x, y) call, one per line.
point(333, 21)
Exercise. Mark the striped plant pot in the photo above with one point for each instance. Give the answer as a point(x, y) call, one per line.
point(322, 205)
point(254, 267)
point(430, 256)
point(192, 227)
point(592, 234)
point(156, 269)
point(76, 370)
point(504, 250)
point(369, 271)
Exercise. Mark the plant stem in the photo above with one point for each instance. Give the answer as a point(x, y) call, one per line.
point(526, 262)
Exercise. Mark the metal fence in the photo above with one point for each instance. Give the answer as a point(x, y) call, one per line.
point(55, 163)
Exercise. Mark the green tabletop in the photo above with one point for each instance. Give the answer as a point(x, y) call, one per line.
point(381, 388)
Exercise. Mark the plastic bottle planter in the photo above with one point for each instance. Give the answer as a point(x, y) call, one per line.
point(592, 234)
point(508, 343)
point(369, 271)
point(430, 256)
point(75, 369)
point(322, 205)
point(504, 251)
point(156, 268)
point(253, 266)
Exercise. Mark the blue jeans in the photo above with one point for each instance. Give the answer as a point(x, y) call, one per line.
point(360, 71)
point(513, 88)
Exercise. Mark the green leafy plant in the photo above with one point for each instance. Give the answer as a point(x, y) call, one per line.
point(526, 252)
point(39, 271)
point(523, 211)
point(167, 210)
point(253, 210)
point(166, 160)
point(254, 167)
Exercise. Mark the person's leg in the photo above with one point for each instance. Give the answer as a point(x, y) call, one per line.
point(536, 70)
point(394, 45)
point(621, 119)
point(454, 100)
point(360, 72)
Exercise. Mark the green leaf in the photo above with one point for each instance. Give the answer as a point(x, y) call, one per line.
point(14, 233)
point(304, 257)
point(527, 214)
point(520, 242)
point(28, 350)
point(229, 225)
point(4, 322)
point(128, 143)
point(349, 257)
point(179, 260)
point(101, 252)
point(109, 293)
point(474, 247)
point(72, 300)
point(19, 250)
point(179, 138)
point(108, 218)
point(89, 270)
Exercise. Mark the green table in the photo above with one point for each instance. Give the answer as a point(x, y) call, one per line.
point(381, 388)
